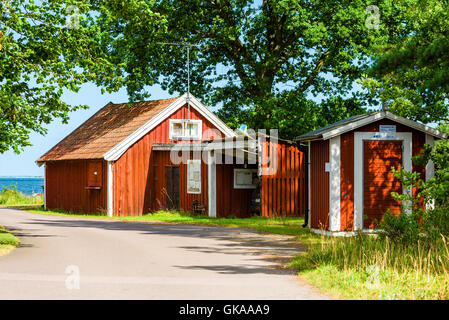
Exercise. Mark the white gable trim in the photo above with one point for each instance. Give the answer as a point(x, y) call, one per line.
point(384, 115)
point(119, 149)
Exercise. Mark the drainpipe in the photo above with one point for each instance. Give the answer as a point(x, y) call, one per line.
point(306, 191)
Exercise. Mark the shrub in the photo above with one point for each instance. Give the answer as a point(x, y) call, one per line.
point(405, 227)
point(11, 196)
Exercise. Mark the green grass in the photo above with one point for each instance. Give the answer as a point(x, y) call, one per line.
point(11, 197)
point(367, 267)
point(7, 241)
point(281, 225)
point(362, 267)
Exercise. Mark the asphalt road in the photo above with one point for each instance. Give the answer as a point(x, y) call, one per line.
point(72, 258)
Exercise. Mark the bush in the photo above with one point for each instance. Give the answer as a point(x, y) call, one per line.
point(403, 228)
point(436, 222)
point(414, 222)
point(11, 196)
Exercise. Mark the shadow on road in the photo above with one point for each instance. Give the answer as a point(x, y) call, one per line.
point(275, 249)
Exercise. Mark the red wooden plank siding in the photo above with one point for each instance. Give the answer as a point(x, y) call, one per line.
point(347, 165)
point(133, 174)
point(347, 181)
point(379, 182)
point(230, 201)
point(319, 180)
point(66, 183)
point(282, 191)
point(418, 139)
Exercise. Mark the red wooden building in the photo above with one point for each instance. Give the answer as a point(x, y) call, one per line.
point(350, 179)
point(167, 154)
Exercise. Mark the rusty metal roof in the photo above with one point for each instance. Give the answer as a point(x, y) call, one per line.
point(105, 129)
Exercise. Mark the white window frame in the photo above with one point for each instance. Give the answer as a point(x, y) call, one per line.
point(184, 122)
point(189, 162)
point(244, 186)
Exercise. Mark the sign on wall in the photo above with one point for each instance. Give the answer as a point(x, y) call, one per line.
point(245, 178)
point(388, 131)
point(194, 176)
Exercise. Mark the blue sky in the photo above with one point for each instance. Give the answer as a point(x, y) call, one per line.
point(24, 164)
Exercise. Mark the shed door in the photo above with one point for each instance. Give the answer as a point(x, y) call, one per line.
point(94, 173)
point(172, 183)
point(379, 182)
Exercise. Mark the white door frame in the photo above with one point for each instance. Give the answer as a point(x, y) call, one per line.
point(359, 137)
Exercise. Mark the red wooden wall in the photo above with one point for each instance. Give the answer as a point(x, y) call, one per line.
point(347, 166)
point(347, 181)
point(133, 191)
point(230, 201)
point(283, 187)
point(67, 183)
point(158, 196)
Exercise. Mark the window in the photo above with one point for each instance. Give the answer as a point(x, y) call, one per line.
point(185, 129)
point(245, 178)
point(194, 176)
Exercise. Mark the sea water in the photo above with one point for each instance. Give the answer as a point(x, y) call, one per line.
point(28, 186)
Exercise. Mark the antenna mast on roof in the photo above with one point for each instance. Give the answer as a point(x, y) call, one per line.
point(187, 46)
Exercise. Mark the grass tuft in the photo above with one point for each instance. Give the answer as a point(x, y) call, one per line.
point(10, 196)
point(368, 267)
point(7, 241)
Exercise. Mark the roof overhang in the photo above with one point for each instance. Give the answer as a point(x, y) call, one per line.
point(243, 147)
point(373, 118)
point(118, 150)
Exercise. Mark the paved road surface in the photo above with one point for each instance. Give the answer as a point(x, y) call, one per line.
point(122, 260)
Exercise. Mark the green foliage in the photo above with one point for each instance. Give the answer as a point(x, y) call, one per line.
point(263, 62)
point(6, 238)
point(10, 196)
point(404, 228)
point(370, 267)
point(411, 72)
point(414, 222)
point(46, 48)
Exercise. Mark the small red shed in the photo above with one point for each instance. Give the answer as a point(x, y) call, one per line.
point(349, 164)
point(124, 161)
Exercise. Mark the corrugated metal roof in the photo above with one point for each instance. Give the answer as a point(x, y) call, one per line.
point(105, 129)
point(354, 122)
point(318, 134)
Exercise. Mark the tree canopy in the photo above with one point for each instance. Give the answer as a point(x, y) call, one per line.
point(412, 72)
point(45, 48)
point(287, 64)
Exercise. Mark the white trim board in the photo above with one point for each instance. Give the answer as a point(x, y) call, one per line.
point(384, 115)
point(119, 149)
point(334, 184)
point(359, 137)
point(110, 189)
point(430, 171)
point(212, 184)
point(343, 233)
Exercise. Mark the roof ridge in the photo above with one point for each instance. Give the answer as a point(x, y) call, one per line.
point(145, 101)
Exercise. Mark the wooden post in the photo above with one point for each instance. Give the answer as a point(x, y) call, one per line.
point(212, 183)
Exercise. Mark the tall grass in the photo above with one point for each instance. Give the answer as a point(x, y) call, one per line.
point(370, 267)
point(10, 196)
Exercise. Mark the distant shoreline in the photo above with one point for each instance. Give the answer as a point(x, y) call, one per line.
point(21, 177)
